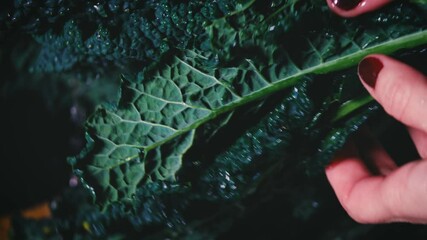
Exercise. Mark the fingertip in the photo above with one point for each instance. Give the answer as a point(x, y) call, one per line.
point(345, 168)
point(357, 190)
point(348, 151)
point(353, 8)
point(345, 171)
point(399, 88)
point(369, 69)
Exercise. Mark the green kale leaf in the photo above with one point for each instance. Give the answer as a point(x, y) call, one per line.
point(144, 139)
point(233, 104)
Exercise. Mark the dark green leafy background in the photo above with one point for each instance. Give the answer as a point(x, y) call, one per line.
point(226, 114)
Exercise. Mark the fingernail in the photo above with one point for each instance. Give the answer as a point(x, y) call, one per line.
point(334, 162)
point(339, 157)
point(368, 70)
point(348, 150)
point(346, 4)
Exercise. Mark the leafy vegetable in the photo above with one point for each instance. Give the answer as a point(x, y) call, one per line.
point(146, 137)
point(232, 104)
point(116, 31)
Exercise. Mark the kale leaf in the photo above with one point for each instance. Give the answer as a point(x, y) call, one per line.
point(145, 138)
point(76, 33)
point(233, 103)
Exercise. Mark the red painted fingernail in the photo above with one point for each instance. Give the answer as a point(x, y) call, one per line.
point(334, 163)
point(368, 70)
point(346, 4)
point(339, 156)
point(348, 150)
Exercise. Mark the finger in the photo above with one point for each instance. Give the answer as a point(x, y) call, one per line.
point(352, 8)
point(404, 192)
point(399, 88)
point(420, 140)
point(396, 197)
point(356, 188)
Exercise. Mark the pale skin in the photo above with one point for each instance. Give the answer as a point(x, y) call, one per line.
point(394, 194)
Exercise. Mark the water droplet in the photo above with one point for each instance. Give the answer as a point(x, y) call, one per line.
point(73, 182)
point(53, 205)
point(227, 177)
point(315, 204)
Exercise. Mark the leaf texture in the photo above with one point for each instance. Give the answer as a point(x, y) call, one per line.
point(114, 32)
point(145, 137)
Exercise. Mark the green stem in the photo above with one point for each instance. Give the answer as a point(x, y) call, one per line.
point(351, 106)
point(408, 41)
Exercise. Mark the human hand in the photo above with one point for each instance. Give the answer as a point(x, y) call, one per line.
point(395, 194)
point(353, 8)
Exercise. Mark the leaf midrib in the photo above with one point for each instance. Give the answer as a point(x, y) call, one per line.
point(387, 47)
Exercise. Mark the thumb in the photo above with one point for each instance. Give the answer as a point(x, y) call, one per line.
point(399, 88)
